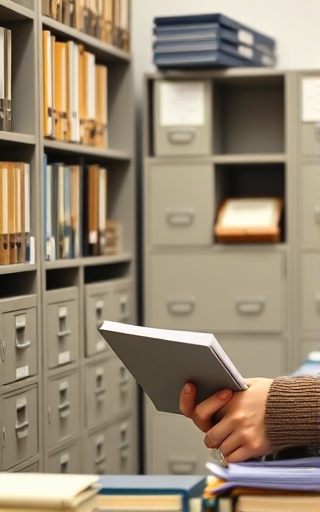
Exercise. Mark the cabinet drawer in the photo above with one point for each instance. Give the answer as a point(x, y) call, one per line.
point(255, 356)
point(123, 308)
point(97, 459)
point(63, 407)
point(228, 292)
point(178, 214)
point(311, 204)
point(19, 335)
point(182, 117)
point(62, 327)
point(122, 442)
point(66, 460)
point(98, 307)
point(174, 445)
point(98, 394)
point(310, 286)
point(20, 427)
point(123, 387)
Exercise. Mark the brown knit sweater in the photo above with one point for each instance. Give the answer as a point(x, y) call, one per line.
point(293, 413)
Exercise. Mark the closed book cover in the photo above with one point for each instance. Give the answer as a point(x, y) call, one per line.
point(34, 491)
point(149, 491)
point(163, 360)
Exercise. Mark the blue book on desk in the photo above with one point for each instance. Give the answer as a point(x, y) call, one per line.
point(244, 34)
point(124, 489)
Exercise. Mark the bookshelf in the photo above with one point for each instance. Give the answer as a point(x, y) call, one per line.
point(67, 403)
point(245, 293)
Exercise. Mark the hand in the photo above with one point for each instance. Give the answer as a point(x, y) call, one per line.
point(239, 428)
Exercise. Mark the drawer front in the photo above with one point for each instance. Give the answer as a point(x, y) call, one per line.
point(123, 310)
point(62, 328)
point(20, 344)
point(174, 445)
point(97, 453)
point(63, 408)
point(98, 307)
point(257, 357)
point(66, 460)
point(311, 204)
point(20, 427)
point(310, 286)
point(182, 118)
point(178, 215)
point(98, 394)
point(123, 387)
point(122, 443)
point(310, 139)
point(305, 347)
point(227, 292)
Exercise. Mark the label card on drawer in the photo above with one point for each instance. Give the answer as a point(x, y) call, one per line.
point(22, 372)
point(182, 103)
point(64, 357)
point(311, 99)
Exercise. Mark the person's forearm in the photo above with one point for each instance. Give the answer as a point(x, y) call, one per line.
point(292, 414)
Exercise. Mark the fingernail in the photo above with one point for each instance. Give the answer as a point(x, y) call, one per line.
point(226, 393)
point(187, 388)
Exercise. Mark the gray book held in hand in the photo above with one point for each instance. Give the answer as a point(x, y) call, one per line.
point(163, 360)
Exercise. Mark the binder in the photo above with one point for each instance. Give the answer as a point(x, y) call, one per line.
point(60, 89)
point(199, 59)
point(5, 79)
point(89, 97)
point(12, 212)
point(101, 106)
point(102, 213)
point(107, 22)
point(29, 240)
point(20, 206)
point(245, 34)
point(48, 121)
point(76, 218)
point(73, 121)
point(93, 210)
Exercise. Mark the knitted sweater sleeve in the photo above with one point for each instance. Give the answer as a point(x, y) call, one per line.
point(292, 415)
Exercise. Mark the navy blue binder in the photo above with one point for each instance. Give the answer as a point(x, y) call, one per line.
point(245, 34)
point(201, 59)
point(243, 52)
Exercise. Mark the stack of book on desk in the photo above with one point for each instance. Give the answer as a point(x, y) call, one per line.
point(209, 40)
point(272, 486)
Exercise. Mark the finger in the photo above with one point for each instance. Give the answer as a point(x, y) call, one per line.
point(187, 402)
point(217, 434)
point(239, 455)
point(204, 412)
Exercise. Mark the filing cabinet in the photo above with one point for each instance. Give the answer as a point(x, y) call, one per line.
point(244, 293)
point(99, 307)
point(99, 389)
point(19, 420)
point(19, 339)
point(123, 304)
point(123, 386)
point(310, 204)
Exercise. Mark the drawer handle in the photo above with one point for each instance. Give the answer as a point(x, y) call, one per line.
point(317, 214)
point(100, 394)
point(183, 217)
point(22, 429)
point(182, 466)
point(181, 306)
point(317, 298)
point(22, 345)
point(100, 460)
point(181, 136)
point(64, 409)
point(62, 334)
point(247, 306)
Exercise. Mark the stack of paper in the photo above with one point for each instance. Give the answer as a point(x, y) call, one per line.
point(209, 40)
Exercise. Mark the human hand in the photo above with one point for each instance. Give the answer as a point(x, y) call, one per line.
point(239, 429)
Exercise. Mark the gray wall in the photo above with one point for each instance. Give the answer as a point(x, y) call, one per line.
point(293, 23)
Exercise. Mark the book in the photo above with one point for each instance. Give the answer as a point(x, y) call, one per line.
point(275, 503)
point(163, 360)
point(48, 491)
point(249, 220)
point(201, 58)
point(149, 492)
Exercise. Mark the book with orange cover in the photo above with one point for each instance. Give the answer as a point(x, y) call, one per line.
point(4, 215)
point(60, 89)
point(48, 120)
point(101, 106)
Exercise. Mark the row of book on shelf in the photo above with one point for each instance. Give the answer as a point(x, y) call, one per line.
point(274, 491)
point(75, 93)
point(107, 20)
point(76, 219)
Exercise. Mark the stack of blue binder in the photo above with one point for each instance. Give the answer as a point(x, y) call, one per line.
point(209, 40)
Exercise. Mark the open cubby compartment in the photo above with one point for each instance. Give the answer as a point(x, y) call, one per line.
point(23, 73)
point(62, 278)
point(16, 284)
point(249, 115)
point(250, 180)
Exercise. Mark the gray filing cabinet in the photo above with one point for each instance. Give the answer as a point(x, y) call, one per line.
point(241, 144)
